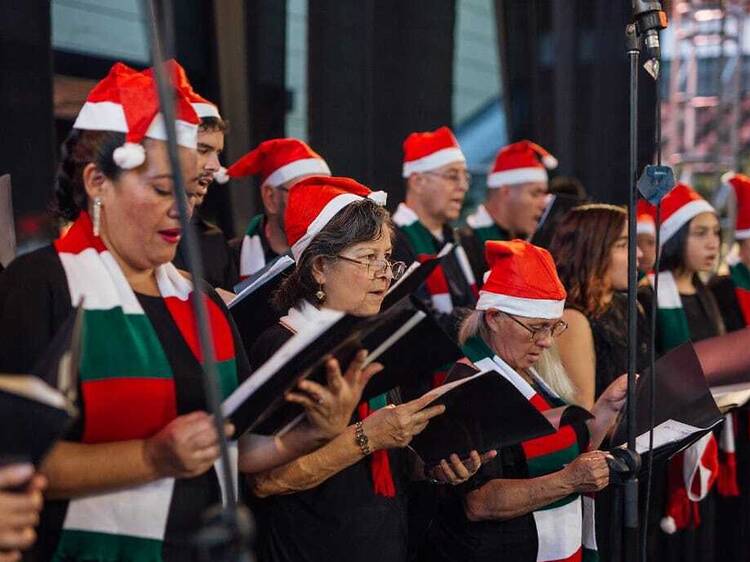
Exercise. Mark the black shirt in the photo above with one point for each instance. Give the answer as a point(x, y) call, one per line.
point(724, 291)
point(220, 267)
point(340, 519)
point(34, 302)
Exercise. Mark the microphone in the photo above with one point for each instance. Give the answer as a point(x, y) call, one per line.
point(649, 19)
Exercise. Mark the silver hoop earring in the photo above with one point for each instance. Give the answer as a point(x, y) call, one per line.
point(97, 215)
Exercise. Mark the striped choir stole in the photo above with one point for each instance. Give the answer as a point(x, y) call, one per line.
point(484, 226)
point(252, 256)
point(692, 473)
point(127, 390)
point(423, 244)
point(565, 529)
point(740, 275)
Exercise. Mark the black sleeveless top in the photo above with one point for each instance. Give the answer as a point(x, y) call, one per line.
point(610, 333)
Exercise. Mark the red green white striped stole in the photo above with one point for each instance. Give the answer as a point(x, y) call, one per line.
point(423, 244)
point(696, 479)
point(484, 226)
point(252, 256)
point(127, 392)
point(741, 278)
point(565, 528)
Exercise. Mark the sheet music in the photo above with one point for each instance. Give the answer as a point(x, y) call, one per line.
point(670, 431)
point(278, 266)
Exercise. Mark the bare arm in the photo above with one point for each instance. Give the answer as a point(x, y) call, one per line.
point(184, 448)
point(576, 347)
point(259, 453)
point(74, 469)
point(389, 427)
point(502, 499)
point(310, 470)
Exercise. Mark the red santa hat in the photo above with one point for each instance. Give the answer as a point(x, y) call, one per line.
point(126, 101)
point(520, 162)
point(202, 106)
point(278, 161)
point(741, 185)
point(645, 217)
point(430, 150)
point(315, 201)
point(522, 281)
point(679, 207)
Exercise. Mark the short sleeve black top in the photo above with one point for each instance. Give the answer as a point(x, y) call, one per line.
point(342, 518)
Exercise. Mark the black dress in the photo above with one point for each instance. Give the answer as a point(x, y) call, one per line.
point(610, 334)
point(342, 518)
point(34, 302)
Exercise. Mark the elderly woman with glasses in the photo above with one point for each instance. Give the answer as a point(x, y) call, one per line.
point(346, 500)
point(527, 503)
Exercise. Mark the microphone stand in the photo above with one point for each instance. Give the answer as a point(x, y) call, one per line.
point(648, 19)
point(227, 529)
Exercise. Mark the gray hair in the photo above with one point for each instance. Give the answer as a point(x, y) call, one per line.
point(549, 367)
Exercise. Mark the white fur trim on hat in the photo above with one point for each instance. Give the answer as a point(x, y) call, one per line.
point(433, 161)
point(682, 216)
point(187, 133)
point(130, 155)
point(519, 175)
point(329, 211)
point(306, 167)
point(221, 175)
point(743, 234)
point(519, 306)
point(645, 227)
point(206, 110)
point(101, 116)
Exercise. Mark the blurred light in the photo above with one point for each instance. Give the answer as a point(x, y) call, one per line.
point(708, 14)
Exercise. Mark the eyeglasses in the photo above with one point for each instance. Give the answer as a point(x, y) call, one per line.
point(454, 177)
point(379, 268)
point(536, 334)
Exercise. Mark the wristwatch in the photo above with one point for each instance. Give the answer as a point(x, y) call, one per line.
point(361, 439)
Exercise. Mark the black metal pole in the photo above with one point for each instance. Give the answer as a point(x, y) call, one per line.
point(630, 541)
point(227, 529)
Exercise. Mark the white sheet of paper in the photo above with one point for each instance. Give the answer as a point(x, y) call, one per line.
point(281, 264)
point(666, 432)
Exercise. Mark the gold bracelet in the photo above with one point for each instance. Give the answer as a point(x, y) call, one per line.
point(361, 439)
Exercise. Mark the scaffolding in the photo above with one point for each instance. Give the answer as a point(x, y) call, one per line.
point(702, 115)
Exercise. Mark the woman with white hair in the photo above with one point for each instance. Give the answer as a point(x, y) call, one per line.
point(527, 503)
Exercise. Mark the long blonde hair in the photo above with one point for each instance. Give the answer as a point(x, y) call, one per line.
point(549, 367)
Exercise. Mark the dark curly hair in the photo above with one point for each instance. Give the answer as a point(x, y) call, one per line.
point(357, 222)
point(581, 247)
point(80, 149)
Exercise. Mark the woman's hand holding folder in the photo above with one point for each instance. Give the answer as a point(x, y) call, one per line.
point(329, 408)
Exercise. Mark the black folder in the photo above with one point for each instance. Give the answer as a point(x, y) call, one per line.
point(416, 274)
point(251, 309)
point(395, 337)
point(484, 411)
point(37, 409)
point(553, 214)
point(685, 409)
